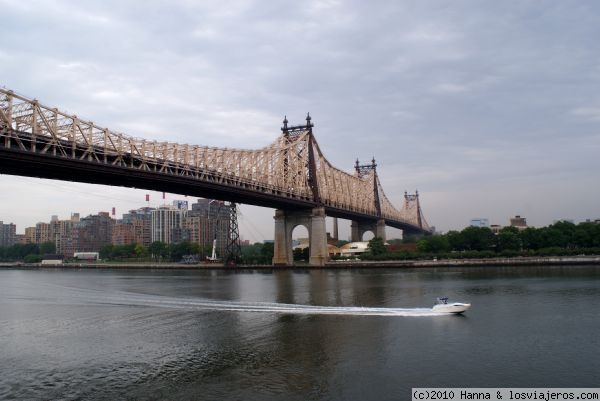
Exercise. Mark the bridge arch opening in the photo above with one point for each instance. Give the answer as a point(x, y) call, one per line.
point(300, 243)
point(367, 235)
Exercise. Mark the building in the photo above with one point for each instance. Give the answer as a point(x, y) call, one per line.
point(354, 248)
point(42, 233)
point(519, 222)
point(122, 234)
point(8, 234)
point(30, 235)
point(93, 232)
point(495, 228)
point(208, 220)
point(134, 228)
point(140, 221)
point(480, 222)
point(166, 224)
point(62, 233)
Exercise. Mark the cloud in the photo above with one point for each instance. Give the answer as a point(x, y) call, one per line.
point(451, 99)
point(587, 113)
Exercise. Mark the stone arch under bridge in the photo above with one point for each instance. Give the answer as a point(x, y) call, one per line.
point(314, 221)
point(359, 228)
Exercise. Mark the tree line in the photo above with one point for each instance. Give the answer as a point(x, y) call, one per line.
point(561, 238)
point(29, 253)
point(257, 253)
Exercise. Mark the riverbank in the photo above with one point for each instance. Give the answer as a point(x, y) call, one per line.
point(518, 261)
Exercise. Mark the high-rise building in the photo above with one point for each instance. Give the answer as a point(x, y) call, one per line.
point(208, 220)
point(42, 233)
point(62, 233)
point(166, 224)
point(8, 233)
point(140, 221)
point(122, 233)
point(30, 235)
point(94, 232)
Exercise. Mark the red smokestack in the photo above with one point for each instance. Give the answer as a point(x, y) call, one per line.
point(147, 197)
point(114, 211)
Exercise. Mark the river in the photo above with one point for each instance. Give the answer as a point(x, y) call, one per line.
point(293, 334)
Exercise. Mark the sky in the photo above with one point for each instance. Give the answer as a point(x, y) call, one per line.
point(489, 108)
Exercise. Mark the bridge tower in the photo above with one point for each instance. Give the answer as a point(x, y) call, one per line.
point(313, 219)
point(359, 228)
point(233, 251)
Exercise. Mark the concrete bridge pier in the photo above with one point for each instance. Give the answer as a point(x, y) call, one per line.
point(314, 221)
point(359, 228)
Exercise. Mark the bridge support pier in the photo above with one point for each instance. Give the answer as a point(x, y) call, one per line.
point(314, 221)
point(359, 228)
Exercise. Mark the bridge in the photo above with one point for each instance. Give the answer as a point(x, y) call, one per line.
point(290, 175)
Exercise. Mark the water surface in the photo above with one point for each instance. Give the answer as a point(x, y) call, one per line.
point(293, 335)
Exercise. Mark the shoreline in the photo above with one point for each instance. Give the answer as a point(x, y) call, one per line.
point(518, 261)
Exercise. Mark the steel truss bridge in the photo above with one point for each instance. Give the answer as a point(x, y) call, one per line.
point(290, 174)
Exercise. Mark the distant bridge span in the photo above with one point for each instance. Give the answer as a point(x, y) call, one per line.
point(291, 174)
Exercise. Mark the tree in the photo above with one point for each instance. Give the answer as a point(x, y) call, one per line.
point(456, 241)
point(32, 258)
point(47, 248)
point(409, 239)
point(508, 240)
point(251, 254)
point(478, 238)
point(434, 244)
point(158, 250)
point(377, 247)
point(106, 252)
point(140, 251)
point(267, 252)
point(301, 253)
point(531, 238)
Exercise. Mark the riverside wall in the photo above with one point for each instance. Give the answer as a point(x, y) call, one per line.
point(518, 261)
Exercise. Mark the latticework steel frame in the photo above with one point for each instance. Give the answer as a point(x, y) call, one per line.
point(292, 167)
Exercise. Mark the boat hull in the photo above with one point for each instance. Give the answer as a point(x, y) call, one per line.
point(455, 307)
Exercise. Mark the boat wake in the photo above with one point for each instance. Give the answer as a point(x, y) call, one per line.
point(121, 298)
point(260, 307)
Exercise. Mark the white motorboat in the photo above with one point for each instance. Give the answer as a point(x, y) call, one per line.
point(442, 305)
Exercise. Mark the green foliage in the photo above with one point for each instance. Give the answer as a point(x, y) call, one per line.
point(477, 238)
point(18, 251)
point(434, 244)
point(377, 247)
point(561, 238)
point(267, 251)
point(47, 248)
point(251, 254)
point(32, 258)
point(302, 254)
point(158, 250)
point(508, 241)
point(409, 239)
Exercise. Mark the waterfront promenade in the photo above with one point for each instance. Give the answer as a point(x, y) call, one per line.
point(518, 261)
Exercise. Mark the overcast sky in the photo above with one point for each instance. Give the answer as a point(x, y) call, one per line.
point(488, 108)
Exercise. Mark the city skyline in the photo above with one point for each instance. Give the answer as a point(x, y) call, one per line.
point(487, 109)
point(164, 199)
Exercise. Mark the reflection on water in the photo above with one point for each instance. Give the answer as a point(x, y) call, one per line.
point(360, 334)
